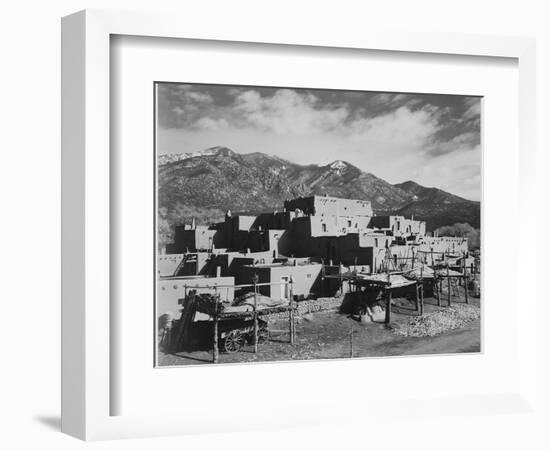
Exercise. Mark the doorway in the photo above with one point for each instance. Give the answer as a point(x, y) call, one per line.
point(284, 288)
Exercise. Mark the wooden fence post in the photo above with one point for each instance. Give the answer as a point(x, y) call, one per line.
point(216, 352)
point(351, 340)
point(421, 288)
point(438, 290)
point(291, 312)
point(255, 280)
point(417, 300)
point(465, 283)
point(436, 280)
point(388, 306)
point(341, 272)
point(448, 285)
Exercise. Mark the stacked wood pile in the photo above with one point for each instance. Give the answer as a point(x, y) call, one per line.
point(438, 322)
point(309, 306)
point(261, 301)
point(210, 304)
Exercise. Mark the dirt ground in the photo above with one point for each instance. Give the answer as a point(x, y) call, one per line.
point(329, 334)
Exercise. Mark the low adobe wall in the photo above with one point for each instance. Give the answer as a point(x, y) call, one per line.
point(309, 306)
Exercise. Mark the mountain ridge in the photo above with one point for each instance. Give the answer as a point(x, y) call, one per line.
point(218, 179)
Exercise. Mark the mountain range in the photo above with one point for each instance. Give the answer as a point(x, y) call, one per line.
point(219, 179)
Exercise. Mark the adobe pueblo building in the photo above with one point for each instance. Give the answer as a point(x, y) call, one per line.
point(310, 238)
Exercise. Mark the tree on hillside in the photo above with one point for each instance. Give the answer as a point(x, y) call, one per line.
point(462, 230)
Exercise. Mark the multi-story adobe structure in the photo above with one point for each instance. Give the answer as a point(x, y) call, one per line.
point(314, 230)
point(399, 226)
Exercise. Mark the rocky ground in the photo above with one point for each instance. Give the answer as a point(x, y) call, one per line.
point(330, 334)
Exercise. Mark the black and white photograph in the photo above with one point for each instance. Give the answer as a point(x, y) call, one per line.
point(291, 224)
point(307, 224)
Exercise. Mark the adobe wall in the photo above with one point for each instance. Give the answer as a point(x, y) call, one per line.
point(273, 221)
point(377, 240)
point(444, 244)
point(343, 249)
point(399, 225)
point(330, 206)
point(172, 290)
point(380, 222)
point(307, 278)
point(305, 204)
point(346, 250)
point(200, 238)
point(167, 264)
point(323, 225)
point(195, 264)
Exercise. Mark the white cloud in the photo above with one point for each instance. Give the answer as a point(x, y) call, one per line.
point(462, 142)
point(287, 112)
point(474, 109)
point(402, 127)
point(207, 123)
point(458, 172)
point(396, 142)
point(198, 97)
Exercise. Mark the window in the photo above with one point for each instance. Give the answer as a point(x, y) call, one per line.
point(309, 275)
point(349, 223)
point(324, 227)
point(376, 242)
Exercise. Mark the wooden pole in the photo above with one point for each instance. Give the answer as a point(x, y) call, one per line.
point(448, 285)
point(388, 306)
point(255, 316)
point(291, 313)
point(417, 298)
point(466, 299)
point(341, 272)
point(437, 292)
point(421, 288)
point(216, 352)
point(466, 283)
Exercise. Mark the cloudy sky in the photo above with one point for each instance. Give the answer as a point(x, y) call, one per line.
point(431, 139)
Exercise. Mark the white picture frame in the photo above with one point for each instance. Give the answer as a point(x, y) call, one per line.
point(86, 218)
